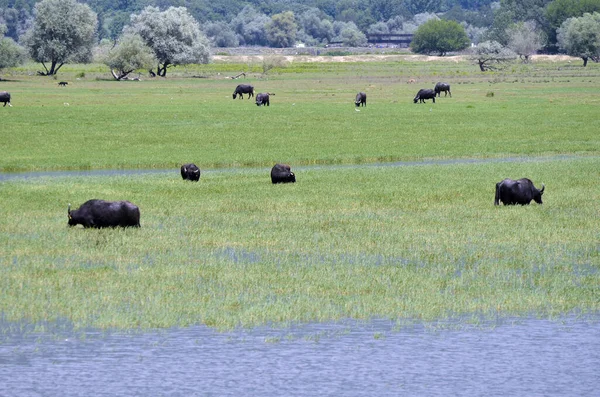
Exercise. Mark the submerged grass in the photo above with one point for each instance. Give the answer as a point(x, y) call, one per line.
point(419, 242)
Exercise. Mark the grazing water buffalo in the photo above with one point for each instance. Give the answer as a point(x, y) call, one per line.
point(361, 99)
point(439, 87)
point(190, 172)
point(517, 192)
point(100, 213)
point(281, 173)
point(425, 93)
point(262, 99)
point(5, 97)
point(243, 89)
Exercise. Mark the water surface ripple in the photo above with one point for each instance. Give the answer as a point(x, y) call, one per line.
point(530, 357)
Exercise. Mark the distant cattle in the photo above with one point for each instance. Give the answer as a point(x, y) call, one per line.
point(439, 87)
point(262, 99)
point(361, 99)
point(100, 214)
point(243, 89)
point(281, 173)
point(5, 97)
point(190, 172)
point(423, 94)
point(521, 192)
point(62, 84)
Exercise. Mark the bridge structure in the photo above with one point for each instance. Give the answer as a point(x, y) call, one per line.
point(399, 39)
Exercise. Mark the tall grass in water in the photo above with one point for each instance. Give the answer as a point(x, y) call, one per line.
point(418, 242)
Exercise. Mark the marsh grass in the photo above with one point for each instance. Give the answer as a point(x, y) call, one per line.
point(349, 240)
point(417, 242)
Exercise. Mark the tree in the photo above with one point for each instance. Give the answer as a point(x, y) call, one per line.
point(220, 34)
point(315, 24)
point(441, 37)
point(63, 31)
point(174, 36)
point(580, 37)
point(281, 30)
point(11, 54)
point(349, 34)
point(249, 25)
point(559, 11)
point(129, 54)
point(524, 39)
point(489, 55)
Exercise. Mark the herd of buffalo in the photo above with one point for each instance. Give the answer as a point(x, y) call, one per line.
point(99, 213)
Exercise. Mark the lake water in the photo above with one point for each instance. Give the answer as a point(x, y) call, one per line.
point(531, 357)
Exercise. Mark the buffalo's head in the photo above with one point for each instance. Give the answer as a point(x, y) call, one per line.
point(71, 220)
point(234, 95)
point(537, 194)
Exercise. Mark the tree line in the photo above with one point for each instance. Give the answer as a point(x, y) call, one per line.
point(131, 35)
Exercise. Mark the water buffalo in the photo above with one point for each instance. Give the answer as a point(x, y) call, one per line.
point(100, 213)
point(262, 99)
point(439, 87)
point(281, 173)
point(190, 172)
point(425, 93)
point(5, 97)
point(243, 89)
point(361, 99)
point(517, 192)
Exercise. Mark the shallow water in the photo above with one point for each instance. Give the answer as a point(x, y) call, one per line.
point(6, 176)
point(526, 358)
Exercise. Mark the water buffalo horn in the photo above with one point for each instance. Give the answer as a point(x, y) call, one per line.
point(69, 208)
point(543, 187)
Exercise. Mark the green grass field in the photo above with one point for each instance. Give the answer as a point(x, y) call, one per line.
point(353, 238)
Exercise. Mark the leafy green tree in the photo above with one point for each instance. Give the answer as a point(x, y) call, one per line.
point(174, 36)
point(441, 37)
point(63, 31)
point(129, 54)
point(559, 11)
point(11, 54)
point(249, 25)
point(491, 55)
point(420, 6)
point(220, 34)
point(349, 34)
point(314, 23)
point(281, 30)
point(580, 37)
point(524, 39)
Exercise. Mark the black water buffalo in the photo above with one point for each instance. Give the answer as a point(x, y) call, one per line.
point(281, 173)
point(190, 172)
point(439, 87)
point(100, 213)
point(425, 93)
point(243, 89)
point(517, 192)
point(5, 97)
point(262, 99)
point(361, 99)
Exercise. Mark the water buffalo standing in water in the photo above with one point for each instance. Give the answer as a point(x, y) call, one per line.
point(5, 97)
point(439, 87)
point(262, 99)
point(361, 99)
point(281, 173)
point(425, 93)
point(243, 89)
point(190, 172)
point(100, 213)
point(520, 192)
